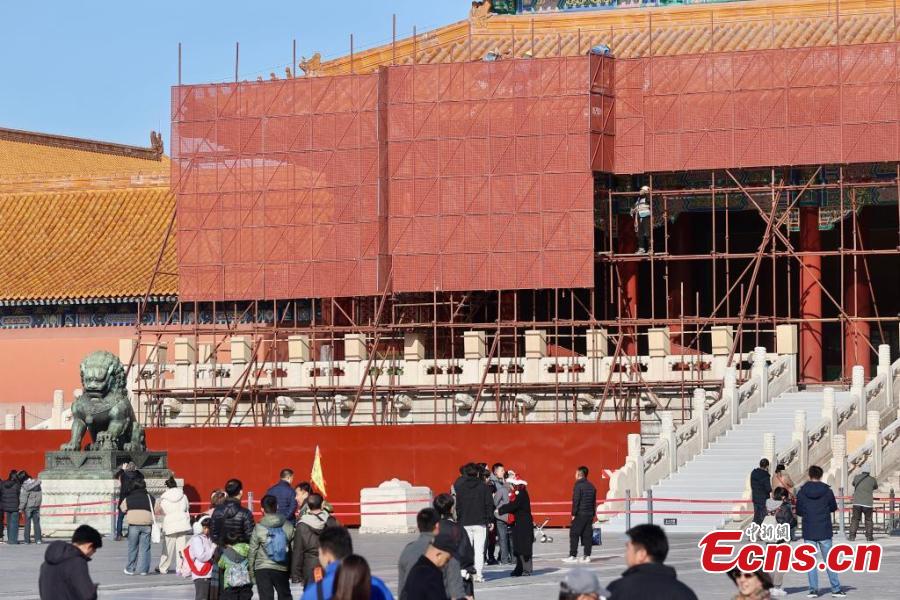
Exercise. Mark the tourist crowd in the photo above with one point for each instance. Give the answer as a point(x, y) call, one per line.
point(485, 519)
point(20, 499)
point(776, 501)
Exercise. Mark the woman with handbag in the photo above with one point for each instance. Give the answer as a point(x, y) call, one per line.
point(141, 521)
point(174, 510)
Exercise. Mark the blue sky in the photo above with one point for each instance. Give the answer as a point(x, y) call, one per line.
point(102, 69)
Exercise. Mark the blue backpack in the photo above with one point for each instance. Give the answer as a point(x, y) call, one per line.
point(276, 544)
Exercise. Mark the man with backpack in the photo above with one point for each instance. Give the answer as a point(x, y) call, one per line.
point(269, 552)
point(305, 556)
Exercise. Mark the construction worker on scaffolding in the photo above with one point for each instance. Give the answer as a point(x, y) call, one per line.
point(641, 213)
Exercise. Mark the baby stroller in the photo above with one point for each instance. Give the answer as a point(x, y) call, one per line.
point(539, 535)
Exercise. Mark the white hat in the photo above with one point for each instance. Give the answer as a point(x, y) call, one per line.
point(645, 188)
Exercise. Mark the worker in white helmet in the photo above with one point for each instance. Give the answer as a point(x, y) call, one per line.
point(641, 213)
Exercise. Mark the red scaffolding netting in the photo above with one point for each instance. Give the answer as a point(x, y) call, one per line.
point(796, 106)
point(490, 168)
point(462, 176)
point(277, 188)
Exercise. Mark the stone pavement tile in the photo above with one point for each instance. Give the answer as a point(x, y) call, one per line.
point(19, 567)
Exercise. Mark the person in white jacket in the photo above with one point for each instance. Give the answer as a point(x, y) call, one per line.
point(174, 509)
point(198, 560)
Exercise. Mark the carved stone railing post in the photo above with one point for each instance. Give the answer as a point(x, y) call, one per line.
point(839, 460)
point(761, 374)
point(56, 412)
point(800, 436)
point(634, 456)
point(769, 447)
point(699, 414)
point(730, 395)
point(667, 434)
point(873, 436)
point(884, 367)
point(829, 412)
point(858, 395)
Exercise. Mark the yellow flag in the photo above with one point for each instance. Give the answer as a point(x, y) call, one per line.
point(317, 477)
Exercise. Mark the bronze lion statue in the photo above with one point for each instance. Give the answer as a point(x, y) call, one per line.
point(103, 408)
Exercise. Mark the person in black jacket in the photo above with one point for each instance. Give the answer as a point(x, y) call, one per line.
point(126, 474)
point(522, 528)
point(231, 517)
point(584, 505)
point(474, 511)
point(646, 577)
point(425, 580)
point(64, 573)
point(463, 559)
point(9, 505)
point(815, 503)
point(760, 489)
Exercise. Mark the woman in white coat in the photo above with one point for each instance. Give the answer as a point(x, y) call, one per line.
point(174, 510)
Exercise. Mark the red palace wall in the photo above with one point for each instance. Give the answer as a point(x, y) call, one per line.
point(35, 362)
point(546, 455)
point(464, 176)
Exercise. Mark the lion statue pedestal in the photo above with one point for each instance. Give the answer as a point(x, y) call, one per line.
point(84, 478)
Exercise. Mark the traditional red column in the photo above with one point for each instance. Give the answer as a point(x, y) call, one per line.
point(681, 285)
point(857, 303)
point(628, 271)
point(810, 296)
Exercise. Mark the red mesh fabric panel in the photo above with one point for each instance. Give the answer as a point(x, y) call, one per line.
point(496, 162)
point(461, 176)
point(757, 108)
point(277, 187)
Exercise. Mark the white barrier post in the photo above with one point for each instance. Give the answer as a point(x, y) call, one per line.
point(884, 367)
point(761, 373)
point(667, 433)
point(698, 405)
point(829, 412)
point(730, 394)
point(873, 436)
point(801, 438)
point(858, 394)
point(634, 455)
point(769, 447)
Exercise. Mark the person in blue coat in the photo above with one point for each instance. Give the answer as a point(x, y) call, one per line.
point(285, 495)
point(335, 544)
point(815, 503)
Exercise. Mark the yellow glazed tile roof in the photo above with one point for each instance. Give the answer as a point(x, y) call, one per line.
point(85, 244)
point(18, 159)
point(82, 220)
point(634, 32)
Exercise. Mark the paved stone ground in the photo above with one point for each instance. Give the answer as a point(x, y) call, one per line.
point(19, 572)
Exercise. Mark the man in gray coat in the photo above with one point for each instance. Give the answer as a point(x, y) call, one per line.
point(864, 486)
point(30, 497)
point(501, 497)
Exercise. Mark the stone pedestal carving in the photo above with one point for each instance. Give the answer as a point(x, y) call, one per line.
point(392, 507)
point(79, 488)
